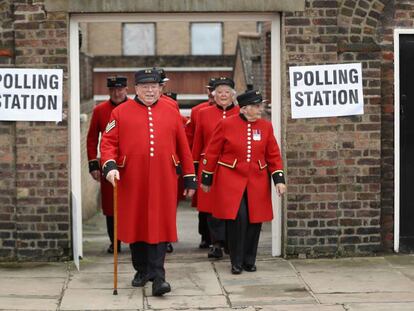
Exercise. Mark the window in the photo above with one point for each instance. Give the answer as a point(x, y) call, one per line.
point(138, 39)
point(206, 39)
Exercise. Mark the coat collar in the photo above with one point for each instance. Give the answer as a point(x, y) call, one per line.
point(126, 98)
point(245, 119)
point(136, 99)
point(231, 106)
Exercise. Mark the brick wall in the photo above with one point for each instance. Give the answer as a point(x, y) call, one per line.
point(35, 213)
point(334, 164)
point(6, 33)
point(394, 14)
point(7, 145)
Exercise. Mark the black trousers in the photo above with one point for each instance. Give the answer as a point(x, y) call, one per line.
point(148, 259)
point(217, 228)
point(203, 227)
point(110, 229)
point(243, 236)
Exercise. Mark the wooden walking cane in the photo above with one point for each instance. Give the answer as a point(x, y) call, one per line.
point(115, 238)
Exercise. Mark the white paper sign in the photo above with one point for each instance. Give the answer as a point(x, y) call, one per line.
point(31, 94)
point(326, 90)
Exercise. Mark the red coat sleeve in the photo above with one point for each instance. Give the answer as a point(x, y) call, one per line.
point(184, 153)
point(198, 142)
point(213, 151)
point(274, 159)
point(109, 144)
point(92, 140)
point(190, 129)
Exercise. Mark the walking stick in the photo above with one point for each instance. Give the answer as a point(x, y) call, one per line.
point(115, 238)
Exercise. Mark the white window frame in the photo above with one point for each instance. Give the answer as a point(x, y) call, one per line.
point(221, 37)
point(154, 38)
point(74, 102)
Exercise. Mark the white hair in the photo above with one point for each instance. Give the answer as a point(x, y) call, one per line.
point(232, 90)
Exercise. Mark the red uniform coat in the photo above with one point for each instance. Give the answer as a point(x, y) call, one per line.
point(184, 120)
point(240, 156)
point(190, 129)
point(100, 117)
point(147, 144)
point(191, 125)
point(208, 119)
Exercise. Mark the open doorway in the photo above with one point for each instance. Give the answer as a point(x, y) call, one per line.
point(404, 145)
point(133, 25)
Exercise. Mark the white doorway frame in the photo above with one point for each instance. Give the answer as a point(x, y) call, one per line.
point(397, 168)
point(74, 106)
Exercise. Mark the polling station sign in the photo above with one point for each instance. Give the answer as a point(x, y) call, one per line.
point(326, 90)
point(31, 94)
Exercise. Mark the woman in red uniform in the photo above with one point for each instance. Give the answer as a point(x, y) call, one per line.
point(208, 118)
point(242, 153)
point(189, 130)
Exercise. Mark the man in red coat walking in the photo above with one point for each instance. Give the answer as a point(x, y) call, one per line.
point(117, 87)
point(142, 146)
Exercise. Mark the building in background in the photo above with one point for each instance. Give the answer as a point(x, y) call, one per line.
point(190, 52)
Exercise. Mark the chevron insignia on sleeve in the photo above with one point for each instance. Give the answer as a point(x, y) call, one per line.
point(110, 126)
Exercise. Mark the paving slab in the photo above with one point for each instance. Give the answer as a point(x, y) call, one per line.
point(40, 269)
point(193, 279)
point(345, 281)
point(352, 275)
point(403, 306)
point(99, 280)
point(185, 302)
point(352, 264)
point(25, 303)
point(407, 272)
point(102, 299)
point(365, 297)
point(273, 283)
point(303, 307)
point(99, 267)
point(400, 261)
point(47, 287)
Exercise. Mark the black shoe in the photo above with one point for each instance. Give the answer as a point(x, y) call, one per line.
point(249, 268)
point(110, 249)
point(203, 244)
point(170, 248)
point(236, 269)
point(160, 287)
point(215, 252)
point(139, 280)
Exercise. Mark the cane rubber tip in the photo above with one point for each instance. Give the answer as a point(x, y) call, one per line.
point(115, 292)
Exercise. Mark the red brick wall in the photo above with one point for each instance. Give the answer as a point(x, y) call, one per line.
point(334, 164)
point(35, 213)
point(394, 14)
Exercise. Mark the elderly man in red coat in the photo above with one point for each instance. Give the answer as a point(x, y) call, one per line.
point(241, 156)
point(117, 87)
point(142, 146)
